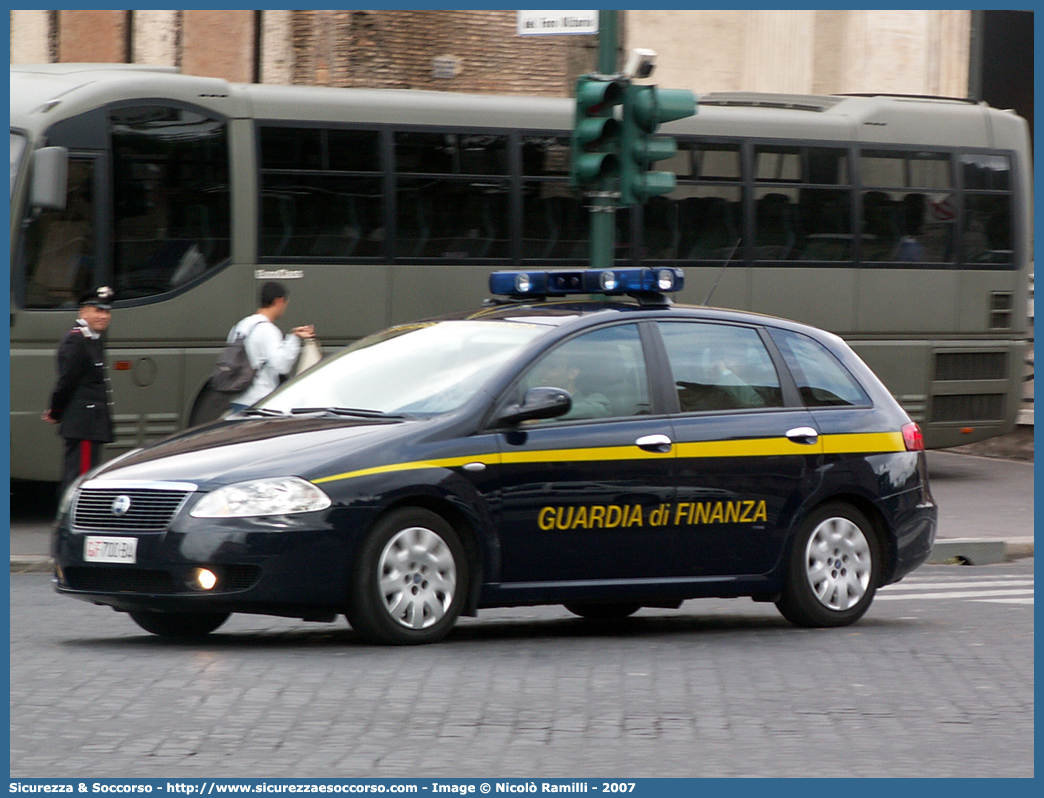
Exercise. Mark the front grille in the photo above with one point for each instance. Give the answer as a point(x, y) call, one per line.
point(968, 407)
point(951, 366)
point(149, 509)
point(238, 577)
point(120, 579)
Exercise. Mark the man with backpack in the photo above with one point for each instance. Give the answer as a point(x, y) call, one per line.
point(270, 353)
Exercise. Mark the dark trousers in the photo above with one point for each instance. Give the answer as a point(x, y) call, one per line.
point(80, 457)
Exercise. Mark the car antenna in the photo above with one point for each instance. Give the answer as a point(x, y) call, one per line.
point(728, 260)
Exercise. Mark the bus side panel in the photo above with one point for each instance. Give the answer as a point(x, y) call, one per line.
point(727, 286)
point(794, 291)
point(892, 301)
point(419, 292)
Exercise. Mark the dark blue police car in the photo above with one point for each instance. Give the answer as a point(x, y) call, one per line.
point(548, 449)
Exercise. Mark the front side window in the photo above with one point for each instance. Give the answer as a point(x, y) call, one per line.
point(821, 379)
point(603, 371)
point(171, 197)
point(60, 245)
point(720, 367)
point(17, 149)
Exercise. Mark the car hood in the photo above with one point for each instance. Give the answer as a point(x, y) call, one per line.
point(232, 451)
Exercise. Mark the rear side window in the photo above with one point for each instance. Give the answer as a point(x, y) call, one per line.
point(720, 367)
point(820, 377)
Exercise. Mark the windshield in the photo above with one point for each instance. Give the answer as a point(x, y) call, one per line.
point(17, 148)
point(414, 370)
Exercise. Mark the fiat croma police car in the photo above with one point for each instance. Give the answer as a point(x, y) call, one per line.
point(551, 448)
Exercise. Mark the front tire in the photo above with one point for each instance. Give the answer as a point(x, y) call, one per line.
point(833, 572)
point(410, 580)
point(179, 624)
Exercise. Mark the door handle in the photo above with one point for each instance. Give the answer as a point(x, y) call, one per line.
point(804, 435)
point(660, 444)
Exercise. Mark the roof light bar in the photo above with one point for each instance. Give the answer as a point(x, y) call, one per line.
point(538, 283)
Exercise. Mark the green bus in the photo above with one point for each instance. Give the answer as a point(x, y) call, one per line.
point(901, 224)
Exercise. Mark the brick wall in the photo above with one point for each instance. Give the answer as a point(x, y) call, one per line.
point(93, 36)
point(400, 49)
point(923, 52)
point(219, 44)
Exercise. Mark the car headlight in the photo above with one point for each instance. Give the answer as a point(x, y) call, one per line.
point(65, 503)
point(277, 496)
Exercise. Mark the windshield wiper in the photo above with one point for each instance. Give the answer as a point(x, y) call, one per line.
point(262, 411)
point(346, 411)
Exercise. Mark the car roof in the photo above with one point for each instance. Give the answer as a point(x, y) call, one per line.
point(570, 312)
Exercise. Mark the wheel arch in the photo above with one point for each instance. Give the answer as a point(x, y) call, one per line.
point(457, 518)
point(873, 514)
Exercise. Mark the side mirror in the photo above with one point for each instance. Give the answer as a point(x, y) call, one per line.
point(50, 185)
point(538, 403)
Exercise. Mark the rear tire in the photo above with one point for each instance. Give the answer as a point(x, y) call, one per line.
point(179, 624)
point(833, 572)
point(608, 611)
point(410, 580)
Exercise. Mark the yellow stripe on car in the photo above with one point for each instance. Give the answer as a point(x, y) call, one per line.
point(855, 443)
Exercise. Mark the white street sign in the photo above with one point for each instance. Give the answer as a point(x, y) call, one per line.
point(543, 23)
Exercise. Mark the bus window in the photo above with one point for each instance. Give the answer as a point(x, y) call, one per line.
point(986, 172)
point(460, 209)
point(709, 218)
point(702, 218)
point(446, 218)
point(986, 235)
point(909, 211)
point(716, 162)
point(804, 213)
point(321, 193)
point(555, 219)
point(170, 197)
point(986, 230)
point(60, 245)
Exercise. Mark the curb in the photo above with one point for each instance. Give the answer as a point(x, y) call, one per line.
point(31, 564)
point(954, 551)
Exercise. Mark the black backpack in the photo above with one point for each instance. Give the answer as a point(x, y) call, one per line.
point(233, 373)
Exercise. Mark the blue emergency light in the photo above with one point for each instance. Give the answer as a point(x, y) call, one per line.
point(561, 282)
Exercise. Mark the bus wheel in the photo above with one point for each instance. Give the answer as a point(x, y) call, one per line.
point(832, 575)
point(607, 611)
point(410, 580)
point(179, 624)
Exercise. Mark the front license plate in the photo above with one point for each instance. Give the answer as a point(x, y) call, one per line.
point(101, 549)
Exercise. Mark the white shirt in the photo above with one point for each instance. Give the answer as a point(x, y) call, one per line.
point(268, 351)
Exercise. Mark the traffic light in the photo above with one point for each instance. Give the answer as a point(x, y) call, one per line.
point(645, 109)
point(596, 132)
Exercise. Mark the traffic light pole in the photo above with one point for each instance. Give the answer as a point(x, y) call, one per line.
point(603, 202)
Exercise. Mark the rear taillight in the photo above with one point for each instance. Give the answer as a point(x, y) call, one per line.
point(913, 438)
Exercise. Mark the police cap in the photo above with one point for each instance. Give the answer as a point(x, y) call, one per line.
point(100, 297)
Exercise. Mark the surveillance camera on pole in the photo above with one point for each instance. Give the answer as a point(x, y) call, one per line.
point(640, 64)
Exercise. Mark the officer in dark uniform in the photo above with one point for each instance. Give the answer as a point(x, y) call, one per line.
point(80, 402)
